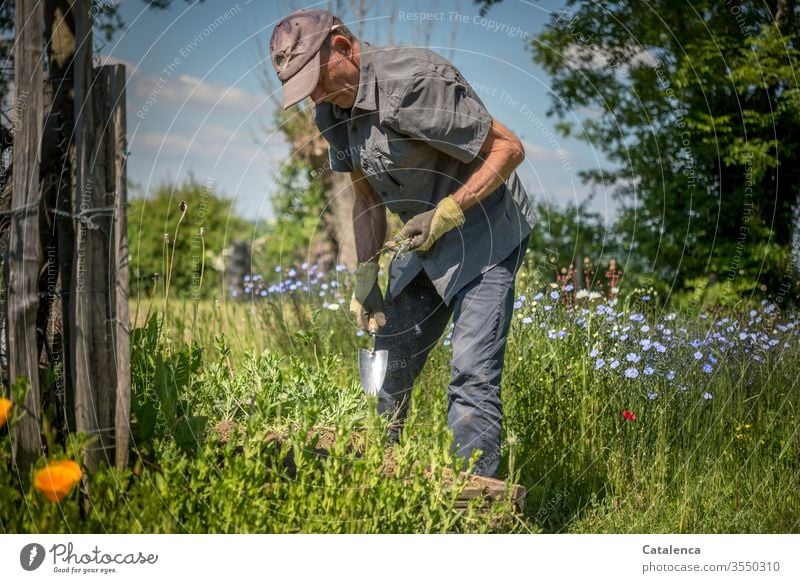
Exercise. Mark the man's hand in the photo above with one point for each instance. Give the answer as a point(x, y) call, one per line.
point(367, 302)
point(423, 230)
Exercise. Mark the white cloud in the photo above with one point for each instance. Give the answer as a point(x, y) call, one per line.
point(644, 57)
point(596, 58)
point(185, 89)
point(168, 143)
point(213, 140)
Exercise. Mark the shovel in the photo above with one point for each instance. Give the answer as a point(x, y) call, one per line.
point(372, 365)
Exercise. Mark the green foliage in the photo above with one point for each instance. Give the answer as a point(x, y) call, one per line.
point(686, 464)
point(699, 111)
point(152, 222)
point(291, 443)
point(161, 382)
point(269, 475)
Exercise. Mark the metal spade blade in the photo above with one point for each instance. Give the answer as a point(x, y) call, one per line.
point(372, 367)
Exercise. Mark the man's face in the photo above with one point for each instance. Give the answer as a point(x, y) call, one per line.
point(338, 74)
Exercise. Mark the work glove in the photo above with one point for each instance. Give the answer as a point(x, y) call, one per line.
point(367, 302)
point(423, 230)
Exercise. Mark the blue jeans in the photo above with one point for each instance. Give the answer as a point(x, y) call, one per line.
point(481, 311)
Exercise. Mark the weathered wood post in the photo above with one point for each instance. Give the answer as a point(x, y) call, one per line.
point(81, 180)
point(24, 253)
point(60, 173)
point(121, 329)
point(90, 311)
point(80, 300)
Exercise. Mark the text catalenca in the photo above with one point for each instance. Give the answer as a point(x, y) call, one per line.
point(670, 550)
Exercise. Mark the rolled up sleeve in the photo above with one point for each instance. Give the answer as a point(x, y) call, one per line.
point(335, 133)
point(439, 107)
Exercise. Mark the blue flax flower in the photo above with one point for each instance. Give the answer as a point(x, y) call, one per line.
point(631, 373)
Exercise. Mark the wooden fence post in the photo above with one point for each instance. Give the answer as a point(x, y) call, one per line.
point(24, 253)
point(122, 329)
point(101, 310)
point(82, 306)
point(60, 170)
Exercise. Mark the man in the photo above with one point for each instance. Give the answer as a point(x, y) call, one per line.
point(417, 140)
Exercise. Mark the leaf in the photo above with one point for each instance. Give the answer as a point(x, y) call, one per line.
point(189, 431)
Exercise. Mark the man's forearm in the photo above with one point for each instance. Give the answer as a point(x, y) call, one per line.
point(501, 154)
point(369, 219)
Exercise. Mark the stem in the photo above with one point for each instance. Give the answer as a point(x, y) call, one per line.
point(200, 283)
point(152, 299)
point(28, 411)
point(183, 208)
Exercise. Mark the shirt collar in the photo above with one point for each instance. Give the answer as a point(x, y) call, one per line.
point(365, 98)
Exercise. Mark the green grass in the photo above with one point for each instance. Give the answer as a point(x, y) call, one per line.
point(686, 464)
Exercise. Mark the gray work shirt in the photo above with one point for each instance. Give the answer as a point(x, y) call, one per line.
point(415, 131)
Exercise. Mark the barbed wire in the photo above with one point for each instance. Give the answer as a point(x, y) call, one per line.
point(19, 210)
point(85, 216)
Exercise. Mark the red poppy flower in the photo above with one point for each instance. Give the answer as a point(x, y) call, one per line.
point(628, 416)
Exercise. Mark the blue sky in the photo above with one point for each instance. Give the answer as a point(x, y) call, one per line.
point(196, 102)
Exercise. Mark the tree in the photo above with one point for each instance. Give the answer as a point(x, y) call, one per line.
point(697, 104)
point(297, 232)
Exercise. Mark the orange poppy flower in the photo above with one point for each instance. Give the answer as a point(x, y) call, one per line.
point(57, 479)
point(5, 410)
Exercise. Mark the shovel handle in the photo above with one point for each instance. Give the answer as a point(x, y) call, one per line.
point(373, 326)
point(373, 330)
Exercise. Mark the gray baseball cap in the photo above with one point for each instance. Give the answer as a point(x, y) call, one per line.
point(294, 48)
